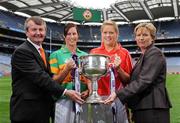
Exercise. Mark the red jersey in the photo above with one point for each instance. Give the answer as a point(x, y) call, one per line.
point(126, 65)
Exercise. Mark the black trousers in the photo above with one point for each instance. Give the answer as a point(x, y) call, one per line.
point(25, 122)
point(16, 122)
point(151, 116)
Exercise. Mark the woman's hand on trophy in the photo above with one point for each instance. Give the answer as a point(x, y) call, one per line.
point(75, 96)
point(85, 94)
point(70, 64)
point(111, 98)
point(117, 61)
point(89, 85)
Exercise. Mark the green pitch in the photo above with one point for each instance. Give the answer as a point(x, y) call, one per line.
point(5, 92)
point(173, 85)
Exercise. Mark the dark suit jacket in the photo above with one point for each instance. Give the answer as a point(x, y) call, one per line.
point(147, 85)
point(32, 86)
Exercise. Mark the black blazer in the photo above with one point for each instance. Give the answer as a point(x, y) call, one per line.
point(32, 86)
point(147, 89)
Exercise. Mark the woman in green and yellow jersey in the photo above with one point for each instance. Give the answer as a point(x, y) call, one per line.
point(62, 65)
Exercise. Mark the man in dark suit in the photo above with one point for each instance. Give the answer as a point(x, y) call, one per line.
point(32, 82)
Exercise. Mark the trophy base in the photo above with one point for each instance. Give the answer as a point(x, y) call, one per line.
point(94, 98)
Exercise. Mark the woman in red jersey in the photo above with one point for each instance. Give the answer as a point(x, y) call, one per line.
point(121, 59)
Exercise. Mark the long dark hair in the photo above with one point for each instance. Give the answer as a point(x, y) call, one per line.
point(68, 26)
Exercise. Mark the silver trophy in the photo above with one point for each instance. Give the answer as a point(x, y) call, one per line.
point(94, 66)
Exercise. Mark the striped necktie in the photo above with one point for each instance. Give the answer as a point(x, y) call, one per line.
point(43, 56)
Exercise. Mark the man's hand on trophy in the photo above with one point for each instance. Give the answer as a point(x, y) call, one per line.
point(111, 98)
point(75, 96)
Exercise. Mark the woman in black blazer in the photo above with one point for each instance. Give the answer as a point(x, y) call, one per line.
point(146, 94)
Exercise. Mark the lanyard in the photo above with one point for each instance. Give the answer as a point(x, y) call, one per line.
point(78, 89)
point(112, 79)
point(113, 89)
point(76, 80)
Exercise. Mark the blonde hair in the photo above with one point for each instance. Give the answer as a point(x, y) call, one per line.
point(111, 23)
point(148, 26)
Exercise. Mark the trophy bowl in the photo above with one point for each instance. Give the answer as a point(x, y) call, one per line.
point(93, 66)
